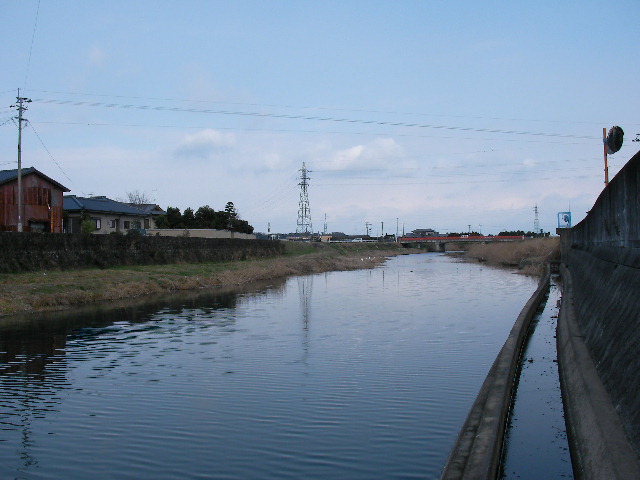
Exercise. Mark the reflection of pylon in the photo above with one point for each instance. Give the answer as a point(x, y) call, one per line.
point(305, 288)
point(304, 212)
point(536, 222)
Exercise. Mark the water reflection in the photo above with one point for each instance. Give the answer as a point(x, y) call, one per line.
point(305, 290)
point(33, 366)
point(367, 374)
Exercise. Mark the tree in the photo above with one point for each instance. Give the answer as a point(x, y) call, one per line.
point(86, 224)
point(206, 217)
point(134, 231)
point(174, 218)
point(188, 219)
point(241, 226)
point(230, 210)
point(138, 198)
point(162, 221)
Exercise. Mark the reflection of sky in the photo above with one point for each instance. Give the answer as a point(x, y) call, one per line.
point(327, 373)
point(34, 362)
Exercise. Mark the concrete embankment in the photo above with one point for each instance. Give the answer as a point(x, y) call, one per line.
point(598, 443)
point(599, 332)
point(598, 345)
point(478, 449)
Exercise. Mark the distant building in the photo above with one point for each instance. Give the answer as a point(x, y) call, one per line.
point(151, 209)
point(41, 201)
point(423, 232)
point(108, 216)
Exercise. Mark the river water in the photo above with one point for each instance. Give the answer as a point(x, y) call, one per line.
point(362, 374)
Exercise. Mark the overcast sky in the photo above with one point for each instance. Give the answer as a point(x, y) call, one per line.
point(418, 114)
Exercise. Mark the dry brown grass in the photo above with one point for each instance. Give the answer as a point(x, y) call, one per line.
point(54, 290)
point(530, 255)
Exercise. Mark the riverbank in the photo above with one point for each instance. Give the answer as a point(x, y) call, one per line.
point(529, 256)
point(61, 289)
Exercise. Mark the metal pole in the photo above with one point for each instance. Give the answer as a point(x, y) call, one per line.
point(606, 162)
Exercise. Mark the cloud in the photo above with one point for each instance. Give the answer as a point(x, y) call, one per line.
point(204, 144)
point(97, 57)
point(380, 154)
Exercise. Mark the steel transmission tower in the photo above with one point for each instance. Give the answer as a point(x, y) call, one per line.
point(536, 222)
point(304, 212)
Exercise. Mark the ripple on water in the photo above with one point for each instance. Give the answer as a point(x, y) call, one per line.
point(364, 374)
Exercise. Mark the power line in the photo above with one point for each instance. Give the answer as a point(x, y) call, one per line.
point(452, 182)
point(286, 130)
point(312, 118)
point(319, 108)
point(31, 47)
point(50, 155)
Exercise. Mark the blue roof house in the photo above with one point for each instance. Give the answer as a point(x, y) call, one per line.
point(107, 216)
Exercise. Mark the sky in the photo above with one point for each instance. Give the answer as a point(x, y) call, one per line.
point(451, 115)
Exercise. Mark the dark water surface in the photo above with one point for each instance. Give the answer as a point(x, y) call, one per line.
point(364, 374)
point(536, 440)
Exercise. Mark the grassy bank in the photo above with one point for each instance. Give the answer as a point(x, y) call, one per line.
point(529, 256)
point(55, 290)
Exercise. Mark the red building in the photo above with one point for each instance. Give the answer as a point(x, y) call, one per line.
point(41, 201)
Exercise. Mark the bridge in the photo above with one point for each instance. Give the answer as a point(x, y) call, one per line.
point(440, 242)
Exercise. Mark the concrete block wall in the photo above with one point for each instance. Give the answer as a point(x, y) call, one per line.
point(601, 256)
point(613, 220)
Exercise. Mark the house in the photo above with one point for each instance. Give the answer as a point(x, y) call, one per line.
point(106, 215)
point(152, 210)
point(41, 201)
point(423, 232)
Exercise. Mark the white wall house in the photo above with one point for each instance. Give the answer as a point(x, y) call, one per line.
point(107, 216)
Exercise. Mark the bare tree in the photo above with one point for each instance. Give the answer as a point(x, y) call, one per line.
point(138, 198)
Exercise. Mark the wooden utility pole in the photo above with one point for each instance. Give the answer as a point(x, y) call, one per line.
point(20, 101)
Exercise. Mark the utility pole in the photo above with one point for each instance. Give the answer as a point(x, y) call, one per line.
point(20, 101)
point(606, 159)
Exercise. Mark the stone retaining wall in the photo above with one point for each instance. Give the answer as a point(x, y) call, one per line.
point(20, 252)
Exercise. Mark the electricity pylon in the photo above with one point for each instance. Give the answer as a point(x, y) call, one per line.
point(304, 211)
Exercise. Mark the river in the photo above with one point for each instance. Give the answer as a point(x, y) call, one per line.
point(361, 374)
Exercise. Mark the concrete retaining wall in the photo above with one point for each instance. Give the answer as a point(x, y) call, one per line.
point(478, 449)
point(599, 445)
point(599, 332)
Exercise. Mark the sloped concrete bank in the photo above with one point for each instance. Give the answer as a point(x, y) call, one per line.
point(599, 332)
point(599, 397)
point(477, 451)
